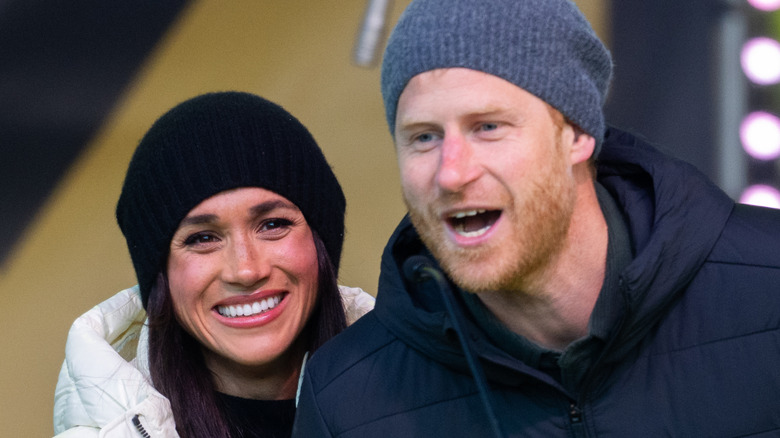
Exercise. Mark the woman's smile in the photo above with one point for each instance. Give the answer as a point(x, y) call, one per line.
point(245, 310)
point(243, 276)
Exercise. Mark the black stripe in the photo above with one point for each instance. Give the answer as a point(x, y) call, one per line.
point(63, 65)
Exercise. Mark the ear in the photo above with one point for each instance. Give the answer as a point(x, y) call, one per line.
point(582, 146)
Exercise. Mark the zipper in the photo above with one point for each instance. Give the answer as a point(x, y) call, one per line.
point(575, 407)
point(576, 420)
point(139, 427)
point(575, 413)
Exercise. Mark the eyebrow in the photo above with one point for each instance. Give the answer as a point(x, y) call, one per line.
point(257, 210)
point(198, 220)
point(413, 126)
point(265, 207)
point(487, 111)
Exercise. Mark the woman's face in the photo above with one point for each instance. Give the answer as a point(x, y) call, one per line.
point(242, 273)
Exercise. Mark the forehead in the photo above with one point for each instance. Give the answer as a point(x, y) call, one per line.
point(460, 90)
point(242, 197)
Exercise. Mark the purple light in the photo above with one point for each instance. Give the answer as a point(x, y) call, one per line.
point(765, 5)
point(760, 135)
point(762, 195)
point(761, 60)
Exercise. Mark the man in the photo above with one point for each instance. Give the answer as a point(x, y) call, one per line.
point(594, 286)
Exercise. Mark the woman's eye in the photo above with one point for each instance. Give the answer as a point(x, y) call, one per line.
point(200, 239)
point(274, 224)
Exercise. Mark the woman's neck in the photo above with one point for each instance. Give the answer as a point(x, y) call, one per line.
point(275, 381)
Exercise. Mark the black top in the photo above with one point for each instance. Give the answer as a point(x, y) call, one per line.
point(259, 418)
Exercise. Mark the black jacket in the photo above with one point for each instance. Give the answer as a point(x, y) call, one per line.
point(695, 353)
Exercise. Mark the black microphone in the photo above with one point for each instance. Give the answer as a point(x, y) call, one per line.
point(419, 269)
point(416, 269)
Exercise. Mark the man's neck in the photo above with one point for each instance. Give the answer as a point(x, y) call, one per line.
point(554, 308)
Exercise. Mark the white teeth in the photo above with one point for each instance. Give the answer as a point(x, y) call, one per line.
point(460, 227)
point(249, 309)
point(462, 214)
point(475, 233)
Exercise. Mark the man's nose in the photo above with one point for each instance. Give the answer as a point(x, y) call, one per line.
point(457, 163)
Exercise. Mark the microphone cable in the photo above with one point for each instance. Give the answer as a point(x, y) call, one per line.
point(419, 269)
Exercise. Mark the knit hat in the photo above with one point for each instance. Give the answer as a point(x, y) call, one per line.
point(216, 142)
point(545, 47)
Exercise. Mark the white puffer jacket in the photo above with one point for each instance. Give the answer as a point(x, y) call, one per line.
point(104, 388)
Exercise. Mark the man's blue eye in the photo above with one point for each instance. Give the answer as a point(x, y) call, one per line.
point(424, 138)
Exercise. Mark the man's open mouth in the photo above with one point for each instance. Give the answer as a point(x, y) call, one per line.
point(473, 223)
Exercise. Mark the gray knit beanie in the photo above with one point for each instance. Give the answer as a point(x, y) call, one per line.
point(545, 47)
point(216, 142)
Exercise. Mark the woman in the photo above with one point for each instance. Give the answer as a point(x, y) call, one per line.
point(235, 223)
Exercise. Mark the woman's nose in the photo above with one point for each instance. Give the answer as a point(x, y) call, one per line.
point(245, 263)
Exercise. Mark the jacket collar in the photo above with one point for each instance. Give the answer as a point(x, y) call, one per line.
point(675, 216)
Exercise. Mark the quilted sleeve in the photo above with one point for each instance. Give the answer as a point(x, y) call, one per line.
point(356, 301)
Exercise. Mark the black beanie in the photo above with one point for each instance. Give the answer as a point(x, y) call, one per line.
point(216, 142)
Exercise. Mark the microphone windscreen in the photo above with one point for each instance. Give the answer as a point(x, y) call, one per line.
point(414, 268)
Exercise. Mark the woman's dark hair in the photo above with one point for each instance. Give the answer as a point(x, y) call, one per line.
point(177, 365)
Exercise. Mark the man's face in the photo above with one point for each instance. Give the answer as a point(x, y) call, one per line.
point(486, 175)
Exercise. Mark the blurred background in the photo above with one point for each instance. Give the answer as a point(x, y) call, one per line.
point(81, 82)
